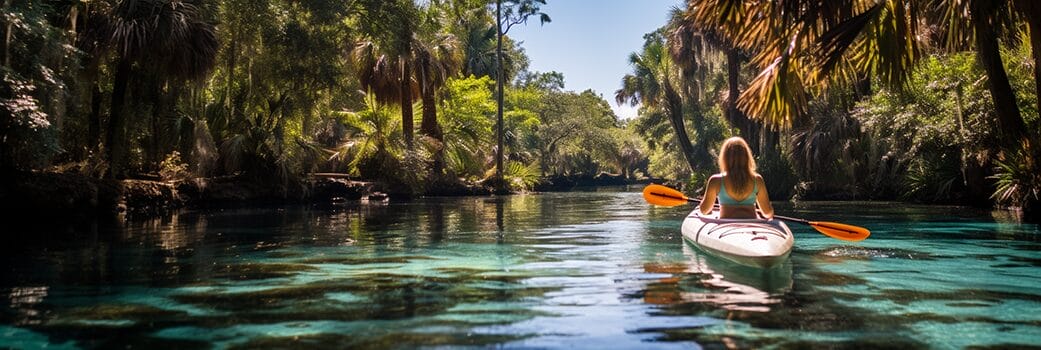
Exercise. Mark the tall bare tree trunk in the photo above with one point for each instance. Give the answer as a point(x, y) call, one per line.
point(406, 103)
point(232, 52)
point(429, 127)
point(116, 138)
point(94, 124)
point(1010, 123)
point(8, 33)
point(676, 119)
point(499, 76)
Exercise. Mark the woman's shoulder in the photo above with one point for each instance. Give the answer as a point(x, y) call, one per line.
point(714, 179)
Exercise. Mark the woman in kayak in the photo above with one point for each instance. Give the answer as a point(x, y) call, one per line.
point(738, 187)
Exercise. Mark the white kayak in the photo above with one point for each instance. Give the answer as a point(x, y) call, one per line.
point(752, 242)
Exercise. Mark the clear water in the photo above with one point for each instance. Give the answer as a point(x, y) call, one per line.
point(594, 269)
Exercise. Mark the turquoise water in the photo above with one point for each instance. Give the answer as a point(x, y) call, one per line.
point(572, 270)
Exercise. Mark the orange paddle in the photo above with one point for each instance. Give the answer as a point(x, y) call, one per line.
point(667, 197)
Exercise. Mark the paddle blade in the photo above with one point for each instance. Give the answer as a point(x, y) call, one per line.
point(663, 196)
point(841, 231)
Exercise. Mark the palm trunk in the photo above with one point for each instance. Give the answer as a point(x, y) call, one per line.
point(498, 96)
point(676, 119)
point(7, 37)
point(1010, 124)
point(94, 124)
point(406, 104)
point(116, 137)
point(157, 111)
point(233, 50)
point(429, 127)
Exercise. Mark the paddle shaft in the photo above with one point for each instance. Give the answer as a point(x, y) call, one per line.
point(661, 195)
point(696, 200)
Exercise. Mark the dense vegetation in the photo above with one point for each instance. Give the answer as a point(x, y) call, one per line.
point(924, 100)
point(274, 90)
point(931, 101)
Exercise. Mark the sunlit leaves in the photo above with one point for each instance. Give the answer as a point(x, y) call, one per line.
point(466, 121)
point(22, 107)
point(373, 132)
point(803, 47)
point(36, 62)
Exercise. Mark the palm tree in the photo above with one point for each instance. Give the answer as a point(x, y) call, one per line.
point(815, 44)
point(691, 42)
point(654, 85)
point(980, 28)
point(371, 134)
point(385, 58)
point(516, 12)
point(436, 59)
point(802, 47)
point(170, 37)
point(466, 125)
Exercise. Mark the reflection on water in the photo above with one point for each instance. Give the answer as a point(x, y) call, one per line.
point(25, 300)
point(706, 279)
point(585, 269)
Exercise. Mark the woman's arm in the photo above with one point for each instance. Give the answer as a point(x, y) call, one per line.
point(763, 199)
point(711, 191)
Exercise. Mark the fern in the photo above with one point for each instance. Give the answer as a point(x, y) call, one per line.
point(1018, 181)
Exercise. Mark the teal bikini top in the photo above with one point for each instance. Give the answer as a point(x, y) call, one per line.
point(726, 199)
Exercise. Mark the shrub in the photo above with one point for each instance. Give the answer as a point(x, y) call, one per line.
point(173, 168)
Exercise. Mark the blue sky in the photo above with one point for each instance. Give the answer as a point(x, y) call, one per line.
point(590, 41)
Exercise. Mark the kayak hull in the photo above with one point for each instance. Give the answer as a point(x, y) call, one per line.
point(750, 242)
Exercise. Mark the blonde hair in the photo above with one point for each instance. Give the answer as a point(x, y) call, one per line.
point(735, 159)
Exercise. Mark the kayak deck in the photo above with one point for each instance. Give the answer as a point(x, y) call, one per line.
point(752, 242)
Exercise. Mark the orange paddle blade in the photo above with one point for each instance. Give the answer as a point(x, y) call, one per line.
point(663, 196)
point(841, 231)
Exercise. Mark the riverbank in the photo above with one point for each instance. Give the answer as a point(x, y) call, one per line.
point(70, 196)
point(74, 196)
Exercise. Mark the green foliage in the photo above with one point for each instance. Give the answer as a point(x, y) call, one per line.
point(520, 176)
point(520, 121)
point(173, 168)
point(575, 134)
point(36, 64)
point(825, 150)
point(406, 173)
point(920, 142)
point(371, 140)
point(1018, 180)
point(466, 118)
point(280, 89)
point(625, 153)
point(777, 172)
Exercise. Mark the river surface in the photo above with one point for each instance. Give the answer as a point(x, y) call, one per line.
point(597, 269)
